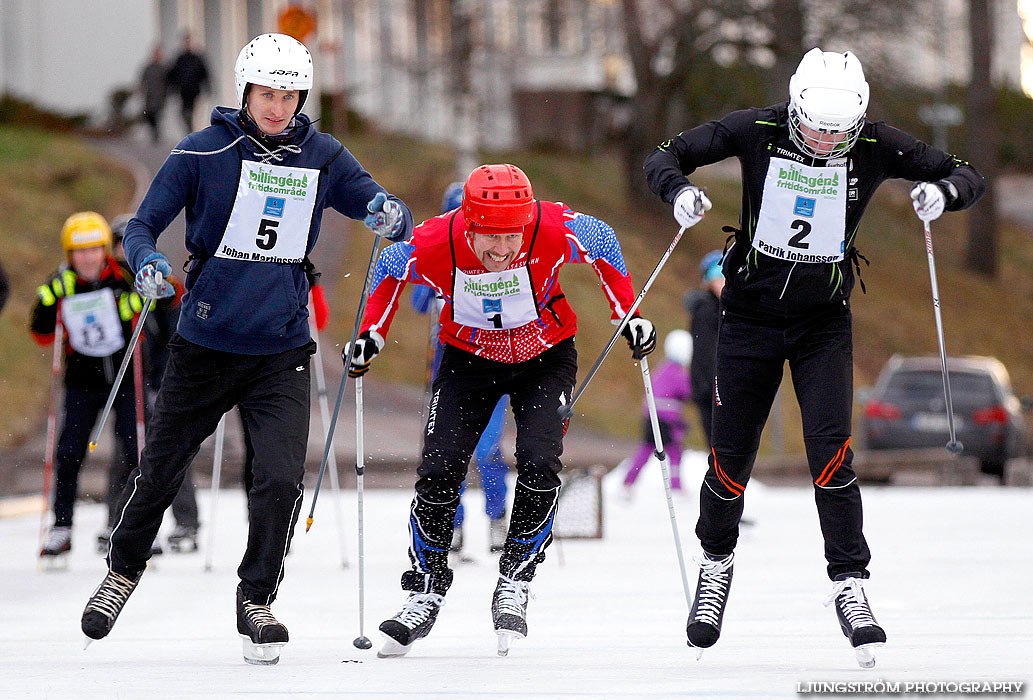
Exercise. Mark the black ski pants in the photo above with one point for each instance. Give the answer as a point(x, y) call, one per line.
point(751, 352)
point(82, 410)
point(465, 392)
point(200, 385)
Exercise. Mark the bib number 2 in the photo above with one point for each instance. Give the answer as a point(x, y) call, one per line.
point(802, 228)
point(267, 234)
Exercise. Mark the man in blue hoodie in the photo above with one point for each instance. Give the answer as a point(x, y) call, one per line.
point(254, 185)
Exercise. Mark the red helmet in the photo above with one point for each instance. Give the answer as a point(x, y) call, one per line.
point(498, 199)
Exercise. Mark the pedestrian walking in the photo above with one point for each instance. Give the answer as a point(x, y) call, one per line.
point(154, 90)
point(810, 167)
point(189, 77)
point(254, 185)
point(508, 330)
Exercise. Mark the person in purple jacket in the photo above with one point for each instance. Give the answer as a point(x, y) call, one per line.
point(254, 185)
point(671, 391)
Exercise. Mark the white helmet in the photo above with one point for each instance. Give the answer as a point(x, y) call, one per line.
point(276, 61)
point(827, 94)
point(678, 347)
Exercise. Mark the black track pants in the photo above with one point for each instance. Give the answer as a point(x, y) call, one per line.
point(750, 357)
point(82, 411)
point(465, 392)
point(201, 385)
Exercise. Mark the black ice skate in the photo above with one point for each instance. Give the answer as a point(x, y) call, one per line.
point(57, 545)
point(262, 634)
point(497, 532)
point(106, 604)
point(183, 539)
point(413, 622)
point(708, 607)
point(856, 620)
point(509, 611)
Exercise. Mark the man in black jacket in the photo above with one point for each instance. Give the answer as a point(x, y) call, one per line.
point(810, 166)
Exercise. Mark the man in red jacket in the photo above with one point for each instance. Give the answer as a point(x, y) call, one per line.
point(507, 329)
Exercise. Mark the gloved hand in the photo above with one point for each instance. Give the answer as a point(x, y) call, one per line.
point(690, 205)
point(385, 217)
point(320, 309)
point(151, 278)
point(367, 345)
point(929, 200)
point(641, 337)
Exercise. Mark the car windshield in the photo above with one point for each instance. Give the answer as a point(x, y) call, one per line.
point(915, 384)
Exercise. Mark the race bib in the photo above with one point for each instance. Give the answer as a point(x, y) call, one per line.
point(803, 212)
point(494, 300)
point(92, 323)
point(271, 215)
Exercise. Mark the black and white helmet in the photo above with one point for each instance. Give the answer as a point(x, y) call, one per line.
point(276, 61)
point(827, 94)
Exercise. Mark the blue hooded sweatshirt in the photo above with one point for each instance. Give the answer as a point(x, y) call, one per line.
point(241, 305)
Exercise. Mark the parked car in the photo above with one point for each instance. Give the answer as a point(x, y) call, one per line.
point(907, 409)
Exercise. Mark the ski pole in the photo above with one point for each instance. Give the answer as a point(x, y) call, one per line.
point(48, 453)
point(324, 411)
point(362, 641)
point(139, 395)
point(661, 456)
point(121, 373)
point(344, 379)
point(954, 446)
point(567, 410)
point(220, 438)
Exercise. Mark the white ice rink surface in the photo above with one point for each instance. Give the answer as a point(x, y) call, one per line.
point(951, 584)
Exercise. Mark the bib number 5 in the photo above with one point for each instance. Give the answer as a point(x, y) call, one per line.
point(267, 234)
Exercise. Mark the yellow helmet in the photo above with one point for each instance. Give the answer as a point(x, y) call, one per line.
point(85, 230)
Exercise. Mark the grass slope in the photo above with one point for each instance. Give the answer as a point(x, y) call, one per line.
point(44, 178)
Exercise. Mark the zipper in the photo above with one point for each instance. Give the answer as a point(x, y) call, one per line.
point(784, 288)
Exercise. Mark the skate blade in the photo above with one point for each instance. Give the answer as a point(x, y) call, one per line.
point(261, 654)
point(87, 641)
point(183, 548)
point(53, 562)
point(866, 654)
point(699, 651)
point(392, 649)
point(506, 638)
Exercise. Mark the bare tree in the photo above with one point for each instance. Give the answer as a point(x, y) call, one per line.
point(982, 139)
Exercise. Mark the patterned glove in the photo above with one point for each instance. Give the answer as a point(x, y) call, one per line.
point(151, 278)
point(385, 217)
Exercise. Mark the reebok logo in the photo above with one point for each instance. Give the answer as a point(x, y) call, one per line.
point(298, 369)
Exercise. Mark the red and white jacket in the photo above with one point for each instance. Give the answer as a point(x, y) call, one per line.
point(557, 236)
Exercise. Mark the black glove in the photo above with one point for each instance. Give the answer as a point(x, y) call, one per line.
point(641, 337)
point(367, 345)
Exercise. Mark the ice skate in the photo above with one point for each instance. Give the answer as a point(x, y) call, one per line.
point(183, 539)
point(413, 622)
point(53, 556)
point(708, 607)
point(262, 634)
point(856, 620)
point(498, 530)
point(106, 604)
point(509, 611)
